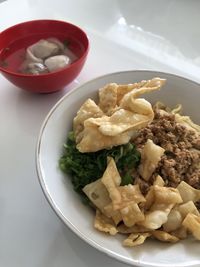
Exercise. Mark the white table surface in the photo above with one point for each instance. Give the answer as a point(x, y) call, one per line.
point(156, 34)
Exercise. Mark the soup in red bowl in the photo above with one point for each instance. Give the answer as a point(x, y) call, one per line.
point(42, 55)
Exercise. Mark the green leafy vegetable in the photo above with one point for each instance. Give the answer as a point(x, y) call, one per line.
point(127, 179)
point(85, 168)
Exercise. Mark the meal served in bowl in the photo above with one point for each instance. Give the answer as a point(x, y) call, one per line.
point(133, 157)
point(42, 55)
point(137, 164)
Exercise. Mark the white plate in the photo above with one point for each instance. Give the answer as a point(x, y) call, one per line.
point(67, 204)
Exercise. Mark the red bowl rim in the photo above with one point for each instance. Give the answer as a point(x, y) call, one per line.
point(57, 71)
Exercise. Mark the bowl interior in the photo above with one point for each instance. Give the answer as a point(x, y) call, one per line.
point(15, 40)
point(67, 204)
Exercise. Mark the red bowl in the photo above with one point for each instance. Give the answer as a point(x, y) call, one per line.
point(20, 36)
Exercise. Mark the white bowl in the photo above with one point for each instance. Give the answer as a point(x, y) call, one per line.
point(67, 204)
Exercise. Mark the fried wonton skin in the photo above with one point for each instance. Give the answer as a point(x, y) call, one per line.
point(105, 190)
point(123, 229)
point(174, 221)
point(140, 88)
point(98, 194)
point(111, 213)
point(119, 120)
point(150, 157)
point(111, 180)
point(88, 110)
point(167, 195)
point(124, 199)
point(164, 199)
point(164, 236)
point(180, 233)
point(110, 131)
point(188, 193)
point(178, 214)
point(117, 202)
point(159, 181)
point(132, 214)
point(94, 140)
point(135, 239)
point(110, 95)
point(155, 219)
point(124, 209)
point(188, 207)
point(120, 203)
point(130, 193)
point(192, 223)
point(108, 98)
point(104, 224)
point(150, 196)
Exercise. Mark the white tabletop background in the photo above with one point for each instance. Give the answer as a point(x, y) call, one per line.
point(155, 34)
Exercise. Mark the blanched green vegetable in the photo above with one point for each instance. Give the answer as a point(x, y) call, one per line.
point(85, 168)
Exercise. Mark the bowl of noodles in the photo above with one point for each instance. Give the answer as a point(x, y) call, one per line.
point(122, 169)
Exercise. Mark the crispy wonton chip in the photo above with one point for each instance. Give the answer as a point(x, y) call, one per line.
point(131, 214)
point(110, 131)
point(188, 207)
point(174, 221)
point(150, 196)
point(124, 198)
point(178, 214)
point(180, 233)
point(88, 110)
point(167, 195)
point(156, 218)
point(111, 213)
point(139, 89)
point(123, 229)
point(119, 122)
point(135, 239)
point(108, 98)
point(164, 236)
point(91, 133)
point(130, 193)
point(150, 156)
point(188, 192)
point(192, 223)
point(166, 217)
point(165, 198)
point(111, 95)
point(98, 194)
point(159, 181)
point(104, 224)
point(111, 180)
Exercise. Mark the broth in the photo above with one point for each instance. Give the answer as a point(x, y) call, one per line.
point(12, 57)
